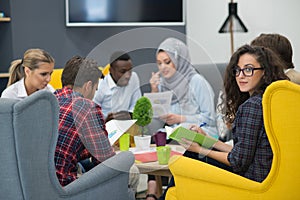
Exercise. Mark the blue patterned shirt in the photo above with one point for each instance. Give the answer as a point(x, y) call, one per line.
point(251, 155)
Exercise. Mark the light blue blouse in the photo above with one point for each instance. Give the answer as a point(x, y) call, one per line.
point(200, 108)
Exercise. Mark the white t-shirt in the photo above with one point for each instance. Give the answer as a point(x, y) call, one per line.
point(113, 98)
point(18, 91)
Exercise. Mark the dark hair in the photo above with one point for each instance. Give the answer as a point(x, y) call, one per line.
point(78, 71)
point(273, 71)
point(279, 44)
point(70, 70)
point(118, 55)
point(31, 59)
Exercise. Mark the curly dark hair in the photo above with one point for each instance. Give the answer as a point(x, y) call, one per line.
point(273, 71)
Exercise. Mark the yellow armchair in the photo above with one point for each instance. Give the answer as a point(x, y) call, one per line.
point(281, 108)
point(105, 70)
point(56, 79)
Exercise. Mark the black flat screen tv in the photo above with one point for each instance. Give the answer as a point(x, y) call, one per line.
point(125, 12)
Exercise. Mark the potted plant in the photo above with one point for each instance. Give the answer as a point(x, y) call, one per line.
point(143, 113)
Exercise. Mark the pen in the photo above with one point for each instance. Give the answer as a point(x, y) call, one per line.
point(202, 124)
point(193, 128)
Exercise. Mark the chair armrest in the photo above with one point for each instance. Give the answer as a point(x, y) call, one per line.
point(186, 167)
point(105, 171)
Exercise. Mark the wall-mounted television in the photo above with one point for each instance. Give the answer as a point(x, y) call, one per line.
point(125, 12)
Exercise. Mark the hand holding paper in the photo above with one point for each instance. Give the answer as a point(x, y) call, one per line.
point(115, 128)
point(190, 145)
point(172, 118)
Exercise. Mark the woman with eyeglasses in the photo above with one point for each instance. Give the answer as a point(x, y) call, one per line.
point(30, 74)
point(250, 70)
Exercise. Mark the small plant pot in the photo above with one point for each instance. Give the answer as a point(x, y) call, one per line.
point(142, 142)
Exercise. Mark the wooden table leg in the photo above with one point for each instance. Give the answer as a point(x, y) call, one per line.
point(159, 185)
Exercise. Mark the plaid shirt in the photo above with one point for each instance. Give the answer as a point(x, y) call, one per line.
point(82, 134)
point(251, 155)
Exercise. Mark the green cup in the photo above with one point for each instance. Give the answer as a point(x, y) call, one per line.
point(163, 154)
point(124, 142)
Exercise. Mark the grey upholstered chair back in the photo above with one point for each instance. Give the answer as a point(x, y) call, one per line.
point(29, 129)
point(36, 132)
point(10, 180)
point(27, 142)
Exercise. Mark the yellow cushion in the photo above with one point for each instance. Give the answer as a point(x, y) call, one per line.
point(56, 79)
point(105, 70)
point(171, 195)
point(56, 76)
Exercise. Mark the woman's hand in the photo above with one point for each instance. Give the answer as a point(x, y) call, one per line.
point(193, 147)
point(154, 81)
point(171, 119)
point(197, 129)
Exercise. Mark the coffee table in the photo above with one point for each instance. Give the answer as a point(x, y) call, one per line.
point(153, 168)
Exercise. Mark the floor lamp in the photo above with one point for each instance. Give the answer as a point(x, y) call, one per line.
point(232, 23)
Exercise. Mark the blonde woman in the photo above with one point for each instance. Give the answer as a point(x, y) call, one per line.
point(29, 74)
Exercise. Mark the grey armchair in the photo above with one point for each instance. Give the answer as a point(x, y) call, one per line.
point(28, 134)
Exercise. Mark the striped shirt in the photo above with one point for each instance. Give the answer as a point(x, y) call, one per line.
point(82, 134)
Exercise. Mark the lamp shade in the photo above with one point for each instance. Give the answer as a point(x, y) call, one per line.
point(237, 24)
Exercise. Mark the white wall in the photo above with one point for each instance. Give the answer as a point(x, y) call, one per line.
point(205, 17)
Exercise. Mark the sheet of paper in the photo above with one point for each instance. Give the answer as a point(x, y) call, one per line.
point(116, 128)
point(161, 102)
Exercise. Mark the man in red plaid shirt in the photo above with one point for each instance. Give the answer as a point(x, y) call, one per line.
point(82, 132)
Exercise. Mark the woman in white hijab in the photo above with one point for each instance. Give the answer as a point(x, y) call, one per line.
point(193, 97)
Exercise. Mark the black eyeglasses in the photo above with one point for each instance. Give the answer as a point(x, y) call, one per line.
point(247, 71)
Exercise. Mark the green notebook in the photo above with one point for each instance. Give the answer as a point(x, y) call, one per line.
point(203, 140)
